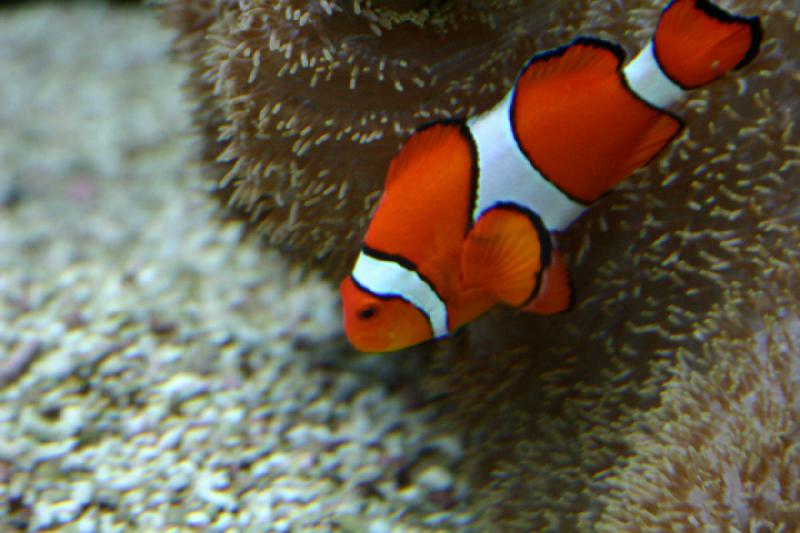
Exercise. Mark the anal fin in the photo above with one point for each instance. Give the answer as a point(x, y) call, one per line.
point(555, 293)
point(503, 254)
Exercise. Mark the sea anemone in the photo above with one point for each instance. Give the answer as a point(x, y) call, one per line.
point(303, 103)
point(720, 452)
point(711, 227)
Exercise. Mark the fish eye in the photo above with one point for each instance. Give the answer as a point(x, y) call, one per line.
point(370, 311)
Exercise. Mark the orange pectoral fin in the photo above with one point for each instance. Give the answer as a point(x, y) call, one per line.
point(555, 294)
point(696, 42)
point(503, 253)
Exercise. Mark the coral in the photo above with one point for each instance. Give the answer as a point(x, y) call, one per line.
point(302, 103)
point(562, 411)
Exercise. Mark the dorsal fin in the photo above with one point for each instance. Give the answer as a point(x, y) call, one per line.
point(585, 56)
point(579, 124)
point(432, 140)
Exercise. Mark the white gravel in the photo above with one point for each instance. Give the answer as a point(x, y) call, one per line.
point(156, 372)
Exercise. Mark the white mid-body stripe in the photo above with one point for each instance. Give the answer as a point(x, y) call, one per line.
point(506, 175)
point(649, 82)
point(388, 278)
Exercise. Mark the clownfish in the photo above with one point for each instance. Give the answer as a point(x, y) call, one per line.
point(470, 208)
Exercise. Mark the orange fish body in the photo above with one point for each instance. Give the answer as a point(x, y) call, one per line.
point(469, 208)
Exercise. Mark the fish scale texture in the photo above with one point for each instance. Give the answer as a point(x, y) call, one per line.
point(156, 373)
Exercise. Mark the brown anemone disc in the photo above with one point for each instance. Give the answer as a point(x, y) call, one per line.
point(706, 237)
point(729, 460)
point(303, 103)
point(672, 272)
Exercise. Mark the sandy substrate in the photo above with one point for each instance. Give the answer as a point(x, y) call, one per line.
point(154, 370)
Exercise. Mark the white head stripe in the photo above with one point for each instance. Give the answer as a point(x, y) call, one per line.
point(649, 82)
point(388, 278)
point(506, 175)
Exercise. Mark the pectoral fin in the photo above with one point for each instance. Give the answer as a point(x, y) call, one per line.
point(503, 253)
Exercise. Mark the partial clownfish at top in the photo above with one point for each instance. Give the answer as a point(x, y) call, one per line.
point(470, 207)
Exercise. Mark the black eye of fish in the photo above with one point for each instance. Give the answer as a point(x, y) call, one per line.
point(368, 312)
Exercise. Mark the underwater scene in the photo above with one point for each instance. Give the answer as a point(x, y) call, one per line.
point(570, 228)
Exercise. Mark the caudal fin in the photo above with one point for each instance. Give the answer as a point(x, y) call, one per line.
point(696, 42)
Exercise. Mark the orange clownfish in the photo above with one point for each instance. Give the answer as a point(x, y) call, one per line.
point(470, 207)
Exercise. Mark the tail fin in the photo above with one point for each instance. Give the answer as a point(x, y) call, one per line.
point(696, 42)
